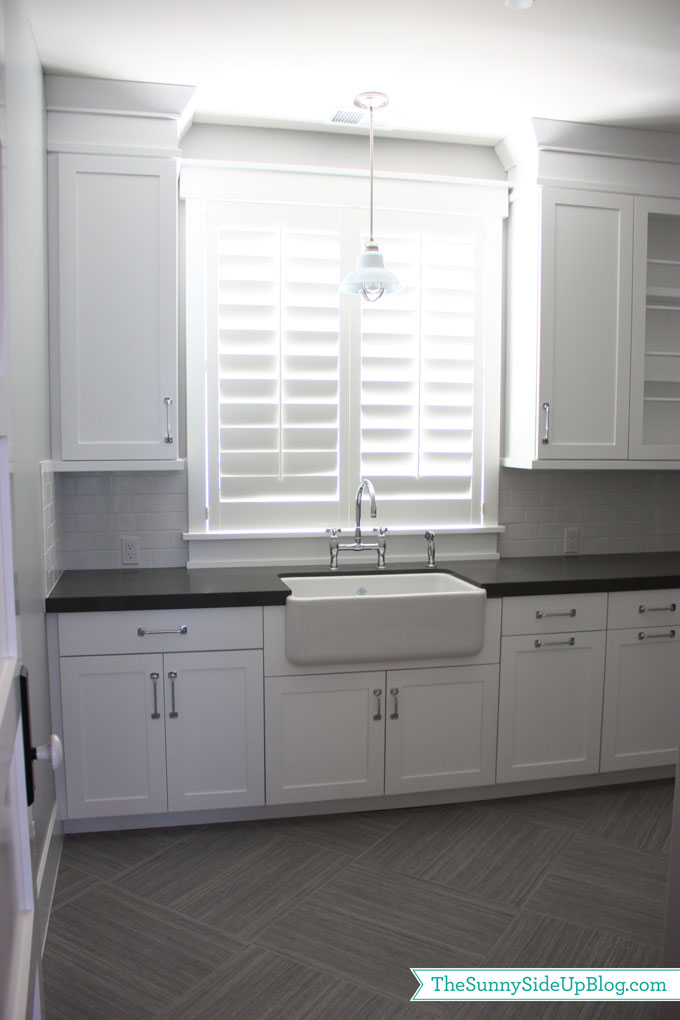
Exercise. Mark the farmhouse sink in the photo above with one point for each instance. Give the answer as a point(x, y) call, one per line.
point(378, 618)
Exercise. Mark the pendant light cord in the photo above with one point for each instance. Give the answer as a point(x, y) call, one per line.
point(370, 114)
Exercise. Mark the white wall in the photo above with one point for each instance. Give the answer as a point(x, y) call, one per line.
point(341, 150)
point(26, 279)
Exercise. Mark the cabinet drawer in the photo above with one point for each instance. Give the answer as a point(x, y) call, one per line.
point(166, 630)
point(554, 614)
point(644, 608)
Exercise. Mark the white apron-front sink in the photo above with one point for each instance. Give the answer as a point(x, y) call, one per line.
point(381, 617)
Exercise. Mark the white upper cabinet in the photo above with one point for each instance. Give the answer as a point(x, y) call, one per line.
point(593, 326)
point(112, 206)
point(584, 322)
point(655, 368)
point(115, 377)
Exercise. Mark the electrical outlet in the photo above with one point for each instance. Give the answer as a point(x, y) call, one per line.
point(571, 540)
point(130, 550)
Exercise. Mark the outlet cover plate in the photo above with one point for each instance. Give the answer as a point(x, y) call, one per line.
point(129, 548)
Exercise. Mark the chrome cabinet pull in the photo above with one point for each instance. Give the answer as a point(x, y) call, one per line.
point(544, 644)
point(658, 609)
point(173, 713)
point(643, 636)
point(154, 679)
point(168, 404)
point(545, 439)
point(142, 632)
point(540, 615)
point(394, 691)
point(378, 694)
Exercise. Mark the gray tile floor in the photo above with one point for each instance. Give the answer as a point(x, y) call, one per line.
point(317, 918)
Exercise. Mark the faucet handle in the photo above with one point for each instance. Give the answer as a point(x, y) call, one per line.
point(382, 532)
point(333, 531)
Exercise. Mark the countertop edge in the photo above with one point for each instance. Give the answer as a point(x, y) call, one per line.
point(98, 591)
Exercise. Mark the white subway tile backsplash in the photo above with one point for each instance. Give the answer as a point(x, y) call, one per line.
point(51, 534)
point(615, 511)
point(92, 512)
point(85, 515)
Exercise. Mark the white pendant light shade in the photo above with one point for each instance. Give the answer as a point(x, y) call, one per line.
point(370, 278)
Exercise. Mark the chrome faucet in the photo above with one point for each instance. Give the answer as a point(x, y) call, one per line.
point(379, 546)
point(429, 538)
point(367, 484)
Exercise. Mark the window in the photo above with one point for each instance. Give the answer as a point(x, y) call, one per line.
point(296, 392)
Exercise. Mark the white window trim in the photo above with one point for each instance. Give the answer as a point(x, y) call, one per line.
point(203, 180)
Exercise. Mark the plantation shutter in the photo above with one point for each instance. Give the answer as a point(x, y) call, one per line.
point(421, 398)
point(273, 385)
point(296, 392)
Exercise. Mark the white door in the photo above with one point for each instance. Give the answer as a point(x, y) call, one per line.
point(325, 737)
point(641, 698)
point(586, 269)
point(441, 728)
point(213, 701)
point(20, 976)
point(114, 729)
point(550, 706)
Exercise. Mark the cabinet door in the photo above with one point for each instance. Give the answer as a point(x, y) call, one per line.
point(441, 728)
point(550, 706)
point(116, 321)
point(586, 267)
point(641, 714)
point(325, 736)
point(655, 364)
point(214, 729)
point(114, 735)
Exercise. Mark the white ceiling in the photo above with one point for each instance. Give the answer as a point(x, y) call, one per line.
point(466, 70)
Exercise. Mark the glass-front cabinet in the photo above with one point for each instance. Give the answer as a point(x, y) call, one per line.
point(655, 366)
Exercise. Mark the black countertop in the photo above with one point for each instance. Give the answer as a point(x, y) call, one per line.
point(79, 591)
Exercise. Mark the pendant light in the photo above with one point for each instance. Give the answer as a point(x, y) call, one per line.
point(370, 278)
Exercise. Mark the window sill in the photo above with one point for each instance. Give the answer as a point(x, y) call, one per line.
point(240, 549)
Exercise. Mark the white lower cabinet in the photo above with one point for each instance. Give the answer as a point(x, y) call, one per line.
point(114, 734)
point(642, 680)
point(441, 728)
point(214, 734)
point(150, 733)
point(325, 736)
point(550, 705)
point(180, 727)
point(342, 735)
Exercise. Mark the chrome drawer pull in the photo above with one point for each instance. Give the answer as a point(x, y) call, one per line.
point(173, 713)
point(154, 678)
point(544, 644)
point(142, 632)
point(540, 615)
point(658, 609)
point(643, 636)
point(394, 691)
point(168, 404)
point(378, 694)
